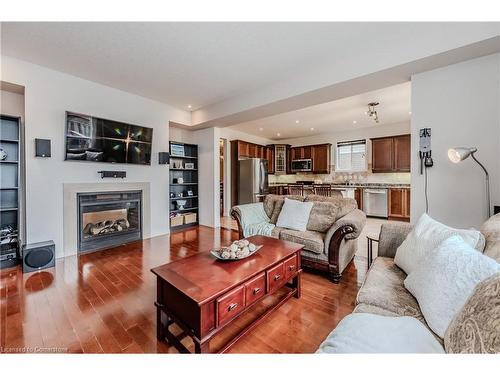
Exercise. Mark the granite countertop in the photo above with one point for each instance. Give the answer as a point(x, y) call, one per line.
point(355, 185)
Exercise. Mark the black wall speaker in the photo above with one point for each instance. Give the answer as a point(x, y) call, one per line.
point(42, 147)
point(38, 256)
point(163, 158)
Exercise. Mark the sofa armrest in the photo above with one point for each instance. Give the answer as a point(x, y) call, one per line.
point(236, 215)
point(347, 228)
point(391, 236)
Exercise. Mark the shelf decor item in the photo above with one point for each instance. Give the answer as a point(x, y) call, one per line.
point(181, 203)
point(176, 150)
point(189, 165)
point(3, 154)
point(239, 249)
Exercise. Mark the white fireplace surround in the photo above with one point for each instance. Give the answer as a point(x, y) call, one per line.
point(70, 208)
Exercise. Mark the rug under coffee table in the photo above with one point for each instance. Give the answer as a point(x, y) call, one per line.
point(202, 295)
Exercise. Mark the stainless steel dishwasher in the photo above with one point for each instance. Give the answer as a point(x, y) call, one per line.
point(375, 202)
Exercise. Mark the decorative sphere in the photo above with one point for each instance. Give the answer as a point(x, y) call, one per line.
point(225, 255)
point(252, 247)
point(234, 247)
point(3, 154)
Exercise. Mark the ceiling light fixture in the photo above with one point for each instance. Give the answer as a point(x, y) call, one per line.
point(278, 134)
point(409, 113)
point(190, 106)
point(372, 112)
point(297, 121)
point(354, 122)
point(261, 129)
point(312, 129)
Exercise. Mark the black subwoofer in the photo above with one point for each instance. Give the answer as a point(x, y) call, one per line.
point(38, 256)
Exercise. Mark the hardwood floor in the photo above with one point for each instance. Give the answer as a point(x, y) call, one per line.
point(103, 302)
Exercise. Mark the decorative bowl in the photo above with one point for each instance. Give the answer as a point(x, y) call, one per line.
point(240, 249)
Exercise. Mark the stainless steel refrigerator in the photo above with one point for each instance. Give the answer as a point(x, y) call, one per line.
point(252, 180)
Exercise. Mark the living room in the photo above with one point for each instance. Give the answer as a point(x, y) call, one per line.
point(125, 224)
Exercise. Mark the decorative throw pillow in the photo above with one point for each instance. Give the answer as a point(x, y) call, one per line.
point(427, 235)
point(370, 333)
point(322, 216)
point(491, 232)
point(278, 204)
point(294, 215)
point(476, 328)
point(443, 282)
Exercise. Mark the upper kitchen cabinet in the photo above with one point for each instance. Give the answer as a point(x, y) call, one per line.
point(391, 154)
point(319, 155)
point(321, 158)
point(270, 159)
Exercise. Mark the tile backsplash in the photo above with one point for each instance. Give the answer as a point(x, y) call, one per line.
point(367, 176)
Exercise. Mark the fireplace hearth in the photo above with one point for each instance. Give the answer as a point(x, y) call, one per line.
point(108, 219)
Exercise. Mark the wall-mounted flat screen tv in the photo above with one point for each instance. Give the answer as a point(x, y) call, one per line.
point(95, 139)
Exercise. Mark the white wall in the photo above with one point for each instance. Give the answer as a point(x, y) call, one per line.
point(208, 176)
point(180, 135)
point(48, 94)
point(460, 103)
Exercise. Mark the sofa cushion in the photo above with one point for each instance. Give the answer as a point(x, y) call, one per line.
point(312, 241)
point(370, 333)
point(273, 204)
point(476, 328)
point(322, 216)
point(426, 236)
point(445, 281)
point(371, 309)
point(276, 232)
point(345, 205)
point(384, 288)
point(491, 231)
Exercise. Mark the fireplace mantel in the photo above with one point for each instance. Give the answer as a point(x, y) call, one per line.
point(70, 211)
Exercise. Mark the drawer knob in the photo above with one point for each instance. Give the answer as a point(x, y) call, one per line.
point(291, 268)
point(232, 306)
point(256, 290)
point(277, 277)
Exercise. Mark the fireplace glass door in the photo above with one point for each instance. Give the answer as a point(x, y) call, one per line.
point(108, 219)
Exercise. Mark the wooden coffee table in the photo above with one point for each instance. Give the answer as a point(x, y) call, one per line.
point(202, 295)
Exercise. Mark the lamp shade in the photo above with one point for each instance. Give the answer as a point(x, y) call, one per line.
point(458, 154)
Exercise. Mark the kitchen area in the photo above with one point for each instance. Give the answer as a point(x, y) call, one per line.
point(375, 172)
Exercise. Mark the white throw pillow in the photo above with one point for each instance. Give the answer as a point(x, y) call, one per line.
point(443, 283)
point(294, 214)
point(370, 333)
point(425, 237)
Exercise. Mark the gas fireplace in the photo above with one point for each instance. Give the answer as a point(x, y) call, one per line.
point(108, 219)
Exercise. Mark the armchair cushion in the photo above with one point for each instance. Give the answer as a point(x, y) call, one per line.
point(384, 288)
point(345, 205)
point(294, 215)
point(312, 241)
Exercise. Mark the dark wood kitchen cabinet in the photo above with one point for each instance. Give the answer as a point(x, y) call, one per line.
point(270, 159)
point(321, 158)
point(399, 204)
point(391, 154)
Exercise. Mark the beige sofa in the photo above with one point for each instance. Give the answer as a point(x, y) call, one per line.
point(383, 293)
point(330, 241)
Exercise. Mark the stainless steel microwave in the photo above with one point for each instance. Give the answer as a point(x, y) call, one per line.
point(302, 165)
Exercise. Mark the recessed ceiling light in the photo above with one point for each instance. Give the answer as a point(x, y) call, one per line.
point(190, 106)
point(297, 121)
point(278, 134)
point(261, 129)
point(409, 113)
point(354, 122)
point(312, 129)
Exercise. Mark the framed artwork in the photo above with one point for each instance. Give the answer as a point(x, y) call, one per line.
point(189, 165)
point(176, 150)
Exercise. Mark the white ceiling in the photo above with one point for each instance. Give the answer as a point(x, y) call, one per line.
point(336, 116)
point(204, 63)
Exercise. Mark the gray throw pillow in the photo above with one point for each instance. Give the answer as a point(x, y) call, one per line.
point(476, 328)
point(322, 217)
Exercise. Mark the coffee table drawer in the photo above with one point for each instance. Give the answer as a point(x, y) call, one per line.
point(230, 305)
point(255, 288)
point(275, 277)
point(290, 267)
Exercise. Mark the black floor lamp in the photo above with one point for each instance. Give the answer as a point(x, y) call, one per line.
point(457, 154)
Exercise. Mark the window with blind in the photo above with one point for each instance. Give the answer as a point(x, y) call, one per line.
point(351, 156)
